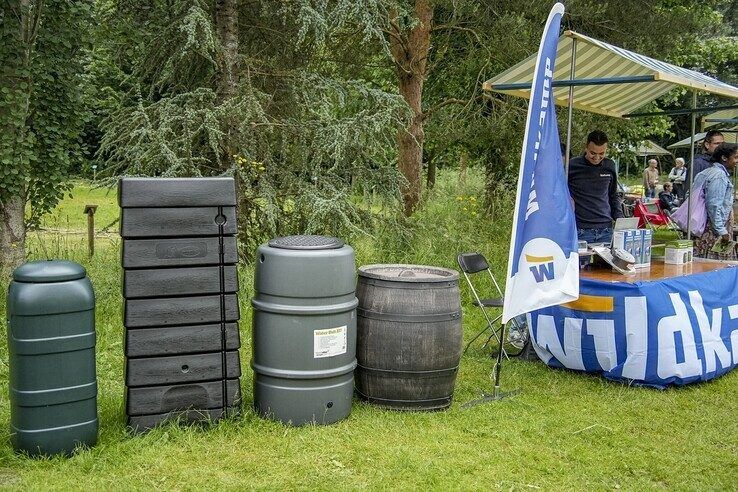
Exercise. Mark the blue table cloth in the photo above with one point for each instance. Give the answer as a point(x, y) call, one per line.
point(675, 330)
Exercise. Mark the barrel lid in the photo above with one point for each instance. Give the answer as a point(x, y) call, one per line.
point(408, 273)
point(306, 242)
point(46, 271)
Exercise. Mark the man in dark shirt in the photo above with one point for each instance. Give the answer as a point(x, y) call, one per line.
point(593, 184)
point(703, 158)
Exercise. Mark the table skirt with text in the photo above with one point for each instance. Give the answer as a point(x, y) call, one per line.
point(676, 330)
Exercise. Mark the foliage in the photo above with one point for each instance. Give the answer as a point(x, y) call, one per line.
point(314, 131)
point(473, 41)
point(42, 112)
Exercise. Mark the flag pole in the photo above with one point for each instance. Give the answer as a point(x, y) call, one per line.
point(541, 122)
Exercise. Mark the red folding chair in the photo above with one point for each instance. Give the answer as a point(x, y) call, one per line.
point(652, 216)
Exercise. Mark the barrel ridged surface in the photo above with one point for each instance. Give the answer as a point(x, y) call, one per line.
point(304, 332)
point(409, 336)
point(51, 342)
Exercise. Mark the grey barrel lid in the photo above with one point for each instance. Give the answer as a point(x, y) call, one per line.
point(408, 273)
point(48, 271)
point(309, 242)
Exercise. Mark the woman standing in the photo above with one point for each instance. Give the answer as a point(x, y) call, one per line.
point(677, 176)
point(718, 188)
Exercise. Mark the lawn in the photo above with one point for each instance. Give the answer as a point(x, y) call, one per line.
point(566, 430)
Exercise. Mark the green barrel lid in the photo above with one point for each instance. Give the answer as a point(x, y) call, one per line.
point(48, 271)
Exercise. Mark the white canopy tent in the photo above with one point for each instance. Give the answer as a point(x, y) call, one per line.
point(609, 80)
point(648, 147)
point(730, 135)
point(644, 149)
point(724, 116)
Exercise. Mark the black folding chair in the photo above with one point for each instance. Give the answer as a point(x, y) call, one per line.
point(517, 334)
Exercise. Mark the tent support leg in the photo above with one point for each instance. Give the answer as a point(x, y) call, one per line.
point(691, 166)
point(571, 106)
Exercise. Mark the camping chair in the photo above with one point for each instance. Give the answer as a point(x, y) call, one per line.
point(652, 216)
point(473, 263)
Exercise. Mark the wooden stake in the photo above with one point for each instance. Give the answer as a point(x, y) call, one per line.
point(90, 211)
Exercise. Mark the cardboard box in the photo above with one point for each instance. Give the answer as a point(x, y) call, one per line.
point(643, 260)
point(638, 247)
point(678, 252)
point(625, 239)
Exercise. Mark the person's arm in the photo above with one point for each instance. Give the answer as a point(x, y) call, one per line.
point(672, 174)
point(616, 210)
point(714, 197)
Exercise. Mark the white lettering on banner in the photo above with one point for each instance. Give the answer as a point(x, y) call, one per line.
point(673, 332)
point(711, 341)
point(603, 333)
point(532, 203)
point(573, 343)
point(668, 327)
point(546, 331)
point(570, 354)
point(548, 75)
point(636, 338)
point(733, 312)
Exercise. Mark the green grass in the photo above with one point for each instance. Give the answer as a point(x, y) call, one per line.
point(566, 430)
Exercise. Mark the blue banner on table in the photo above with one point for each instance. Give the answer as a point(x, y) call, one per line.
point(673, 331)
point(543, 266)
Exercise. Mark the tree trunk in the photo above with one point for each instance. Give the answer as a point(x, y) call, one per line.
point(226, 25)
point(12, 233)
point(12, 204)
point(410, 53)
point(462, 169)
point(430, 180)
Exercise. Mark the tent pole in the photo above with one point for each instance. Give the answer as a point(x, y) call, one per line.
point(571, 106)
point(691, 166)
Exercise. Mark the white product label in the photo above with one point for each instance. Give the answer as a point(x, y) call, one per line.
point(329, 342)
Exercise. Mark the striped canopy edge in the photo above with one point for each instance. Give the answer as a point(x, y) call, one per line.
point(599, 60)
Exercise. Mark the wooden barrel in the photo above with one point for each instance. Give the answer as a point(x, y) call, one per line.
point(408, 336)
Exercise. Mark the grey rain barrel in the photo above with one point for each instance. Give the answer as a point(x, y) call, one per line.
point(409, 336)
point(304, 329)
point(51, 344)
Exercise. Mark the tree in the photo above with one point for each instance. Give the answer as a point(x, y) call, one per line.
point(42, 49)
point(473, 41)
point(409, 41)
point(253, 89)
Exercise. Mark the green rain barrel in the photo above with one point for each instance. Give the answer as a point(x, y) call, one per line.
point(51, 342)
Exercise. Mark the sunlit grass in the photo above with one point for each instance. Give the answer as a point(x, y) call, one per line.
point(566, 430)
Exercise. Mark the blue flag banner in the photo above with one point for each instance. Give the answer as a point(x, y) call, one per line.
point(543, 266)
point(674, 331)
